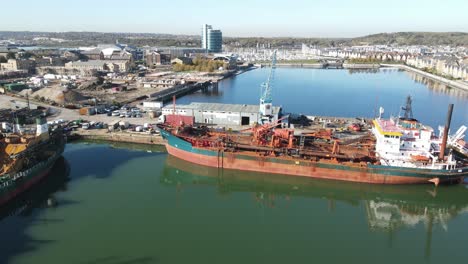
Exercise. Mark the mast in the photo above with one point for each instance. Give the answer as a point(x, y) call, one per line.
point(428, 244)
point(408, 109)
point(446, 130)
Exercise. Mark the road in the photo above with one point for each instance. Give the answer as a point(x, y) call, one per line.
point(68, 114)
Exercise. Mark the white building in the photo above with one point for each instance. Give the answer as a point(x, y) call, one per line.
point(220, 114)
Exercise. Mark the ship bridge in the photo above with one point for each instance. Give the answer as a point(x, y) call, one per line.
point(387, 128)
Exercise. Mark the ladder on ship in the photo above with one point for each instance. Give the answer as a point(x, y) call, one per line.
point(301, 142)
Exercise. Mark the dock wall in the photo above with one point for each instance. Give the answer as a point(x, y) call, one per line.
point(361, 65)
point(454, 84)
point(138, 138)
point(301, 65)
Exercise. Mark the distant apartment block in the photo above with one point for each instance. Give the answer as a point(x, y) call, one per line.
point(154, 58)
point(445, 65)
point(87, 68)
point(94, 54)
point(17, 64)
point(212, 39)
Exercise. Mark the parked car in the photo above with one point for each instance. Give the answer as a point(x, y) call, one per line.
point(115, 113)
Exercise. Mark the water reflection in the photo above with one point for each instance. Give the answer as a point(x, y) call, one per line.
point(212, 91)
point(388, 208)
point(436, 86)
point(124, 145)
point(41, 195)
point(22, 212)
point(367, 70)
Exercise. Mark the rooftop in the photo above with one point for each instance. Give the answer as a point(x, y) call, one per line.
point(216, 107)
point(91, 52)
point(387, 127)
point(87, 63)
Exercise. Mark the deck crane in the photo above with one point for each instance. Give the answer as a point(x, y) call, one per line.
point(266, 101)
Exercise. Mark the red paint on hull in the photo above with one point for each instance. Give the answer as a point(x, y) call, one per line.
point(288, 169)
point(24, 187)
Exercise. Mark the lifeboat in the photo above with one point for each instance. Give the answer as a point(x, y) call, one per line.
point(419, 158)
point(355, 127)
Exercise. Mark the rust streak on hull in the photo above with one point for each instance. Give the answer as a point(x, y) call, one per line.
point(262, 165)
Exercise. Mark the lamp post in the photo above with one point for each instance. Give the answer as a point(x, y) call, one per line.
point(95, 106)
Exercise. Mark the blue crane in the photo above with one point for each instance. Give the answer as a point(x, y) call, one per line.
point(266, 100)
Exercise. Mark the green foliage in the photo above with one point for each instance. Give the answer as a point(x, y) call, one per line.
point(51, 71)
point(415, 38)
point(364, 61)
point(399, 38)
point(3, 59)
point(10, 55)
point(435, 72)
point(100, 80)
point(27, 55)
point(201, 65)
point(74, 39)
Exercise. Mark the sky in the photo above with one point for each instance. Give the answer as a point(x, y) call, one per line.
point(238, 18)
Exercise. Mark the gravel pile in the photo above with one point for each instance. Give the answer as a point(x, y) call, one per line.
point(60, 95)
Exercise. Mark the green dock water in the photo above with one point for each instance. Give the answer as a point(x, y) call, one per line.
point(120, 205)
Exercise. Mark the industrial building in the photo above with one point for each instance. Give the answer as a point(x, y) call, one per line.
point(220, 114)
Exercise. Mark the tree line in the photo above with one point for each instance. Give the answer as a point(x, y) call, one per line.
point(201, 65)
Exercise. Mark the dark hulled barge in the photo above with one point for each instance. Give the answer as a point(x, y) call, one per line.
point(26, 156)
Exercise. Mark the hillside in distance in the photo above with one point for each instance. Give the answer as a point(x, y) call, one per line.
point(399, 38)
point(81, 39)
point(75, 39)
point(416, 38)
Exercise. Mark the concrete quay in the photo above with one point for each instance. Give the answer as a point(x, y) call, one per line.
point(361, 65)
point(127, 137)
point(178, 91)
point(302, 65)
point(454, 84)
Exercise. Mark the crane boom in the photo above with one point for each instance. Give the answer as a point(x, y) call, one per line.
point(266, 100)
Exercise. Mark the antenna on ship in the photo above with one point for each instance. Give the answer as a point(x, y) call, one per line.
point(381, 111)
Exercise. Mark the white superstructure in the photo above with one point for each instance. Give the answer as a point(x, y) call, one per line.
point(405, 142)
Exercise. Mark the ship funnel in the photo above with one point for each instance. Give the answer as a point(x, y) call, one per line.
point(41, 126)
point(446, 130)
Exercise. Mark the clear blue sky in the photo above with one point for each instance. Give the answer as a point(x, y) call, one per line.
point(306, 18)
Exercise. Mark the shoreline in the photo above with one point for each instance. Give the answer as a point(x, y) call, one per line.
point(124, 137)
point(450, 83)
